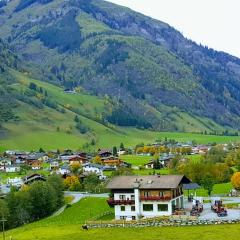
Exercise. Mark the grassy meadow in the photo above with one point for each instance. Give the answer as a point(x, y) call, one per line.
point(68, 226)
point(136, 160)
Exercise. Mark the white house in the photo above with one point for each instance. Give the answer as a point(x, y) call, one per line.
point(64, 170)
point(134, 197)
point(94, 168)
point(4, 162)
point(12, 168)
point(17, 182)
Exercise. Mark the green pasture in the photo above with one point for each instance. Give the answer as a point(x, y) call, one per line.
point(68, 226)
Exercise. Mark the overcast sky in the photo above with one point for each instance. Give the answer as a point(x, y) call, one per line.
point(215, 23)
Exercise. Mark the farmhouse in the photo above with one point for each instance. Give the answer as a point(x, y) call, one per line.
point(146, 196)
point(104, 153)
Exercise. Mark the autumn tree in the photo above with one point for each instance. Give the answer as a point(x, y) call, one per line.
point(75, 167)
point(97, 160)
point(235, 180)
point(72, 183)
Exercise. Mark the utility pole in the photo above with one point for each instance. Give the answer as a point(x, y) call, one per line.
point(3, 220)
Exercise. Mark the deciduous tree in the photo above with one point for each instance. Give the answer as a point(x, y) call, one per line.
point(235, 180)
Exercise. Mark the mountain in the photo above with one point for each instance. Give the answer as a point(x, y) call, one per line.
point(146, 73)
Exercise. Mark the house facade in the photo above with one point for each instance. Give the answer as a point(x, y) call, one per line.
point(146, 196)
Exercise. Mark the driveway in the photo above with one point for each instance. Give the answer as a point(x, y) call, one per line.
point(208, 214)
point(79, 195)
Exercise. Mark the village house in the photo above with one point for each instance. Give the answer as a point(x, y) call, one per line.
point(54, 165)
point(16, 182)
point(36, 165)
point(33, 178)
point(12, 168)
point(73, 159)
point(94, 168)
point(134, 197)
point(201, 149)
point(104, 153)
point(152, 164)
point(4, 162)
point(64, 170)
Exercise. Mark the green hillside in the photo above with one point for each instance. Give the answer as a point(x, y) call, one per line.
point(44, 126)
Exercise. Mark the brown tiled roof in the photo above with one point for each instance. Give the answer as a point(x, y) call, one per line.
point(147, 182)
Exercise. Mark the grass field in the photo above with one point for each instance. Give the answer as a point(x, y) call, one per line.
point(136, 160)
point(68, 226)
point(195, 158)
point(222, 188)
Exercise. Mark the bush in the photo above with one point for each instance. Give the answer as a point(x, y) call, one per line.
point(82, 128)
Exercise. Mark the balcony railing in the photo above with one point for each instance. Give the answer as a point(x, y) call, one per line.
point(155, 198)
point(112, 202)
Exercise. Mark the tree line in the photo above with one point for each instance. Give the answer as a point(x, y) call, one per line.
point(32, 202)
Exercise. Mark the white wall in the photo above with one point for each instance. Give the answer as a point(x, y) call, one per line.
point(93, 170)
point(127, 213)
point(139, 207)
point(155, 212)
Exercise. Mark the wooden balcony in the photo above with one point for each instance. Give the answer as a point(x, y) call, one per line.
point(111, 202)
point(155, 198)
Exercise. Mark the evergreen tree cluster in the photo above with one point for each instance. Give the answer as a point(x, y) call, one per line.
point(32, 202)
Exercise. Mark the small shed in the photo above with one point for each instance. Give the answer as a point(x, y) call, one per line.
point(191, 186)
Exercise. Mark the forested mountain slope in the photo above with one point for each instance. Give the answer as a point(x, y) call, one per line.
point(148, 74)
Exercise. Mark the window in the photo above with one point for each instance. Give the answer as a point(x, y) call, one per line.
point(161, 194)
point(132, 208)
point(123, 217)
point(148, 207)
point(133, 218)
point(162, 207)
point(132, 197)
point(122, 197)
point(147, 194)
point(122, 208)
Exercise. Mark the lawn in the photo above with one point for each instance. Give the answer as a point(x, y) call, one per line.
point(195, 158)
point(222, 188)
point(68, 226)
point(136, 160)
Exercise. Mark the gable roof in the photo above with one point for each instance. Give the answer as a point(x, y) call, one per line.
point(147, 182)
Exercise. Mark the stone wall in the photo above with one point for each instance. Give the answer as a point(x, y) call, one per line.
point(159, 223)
